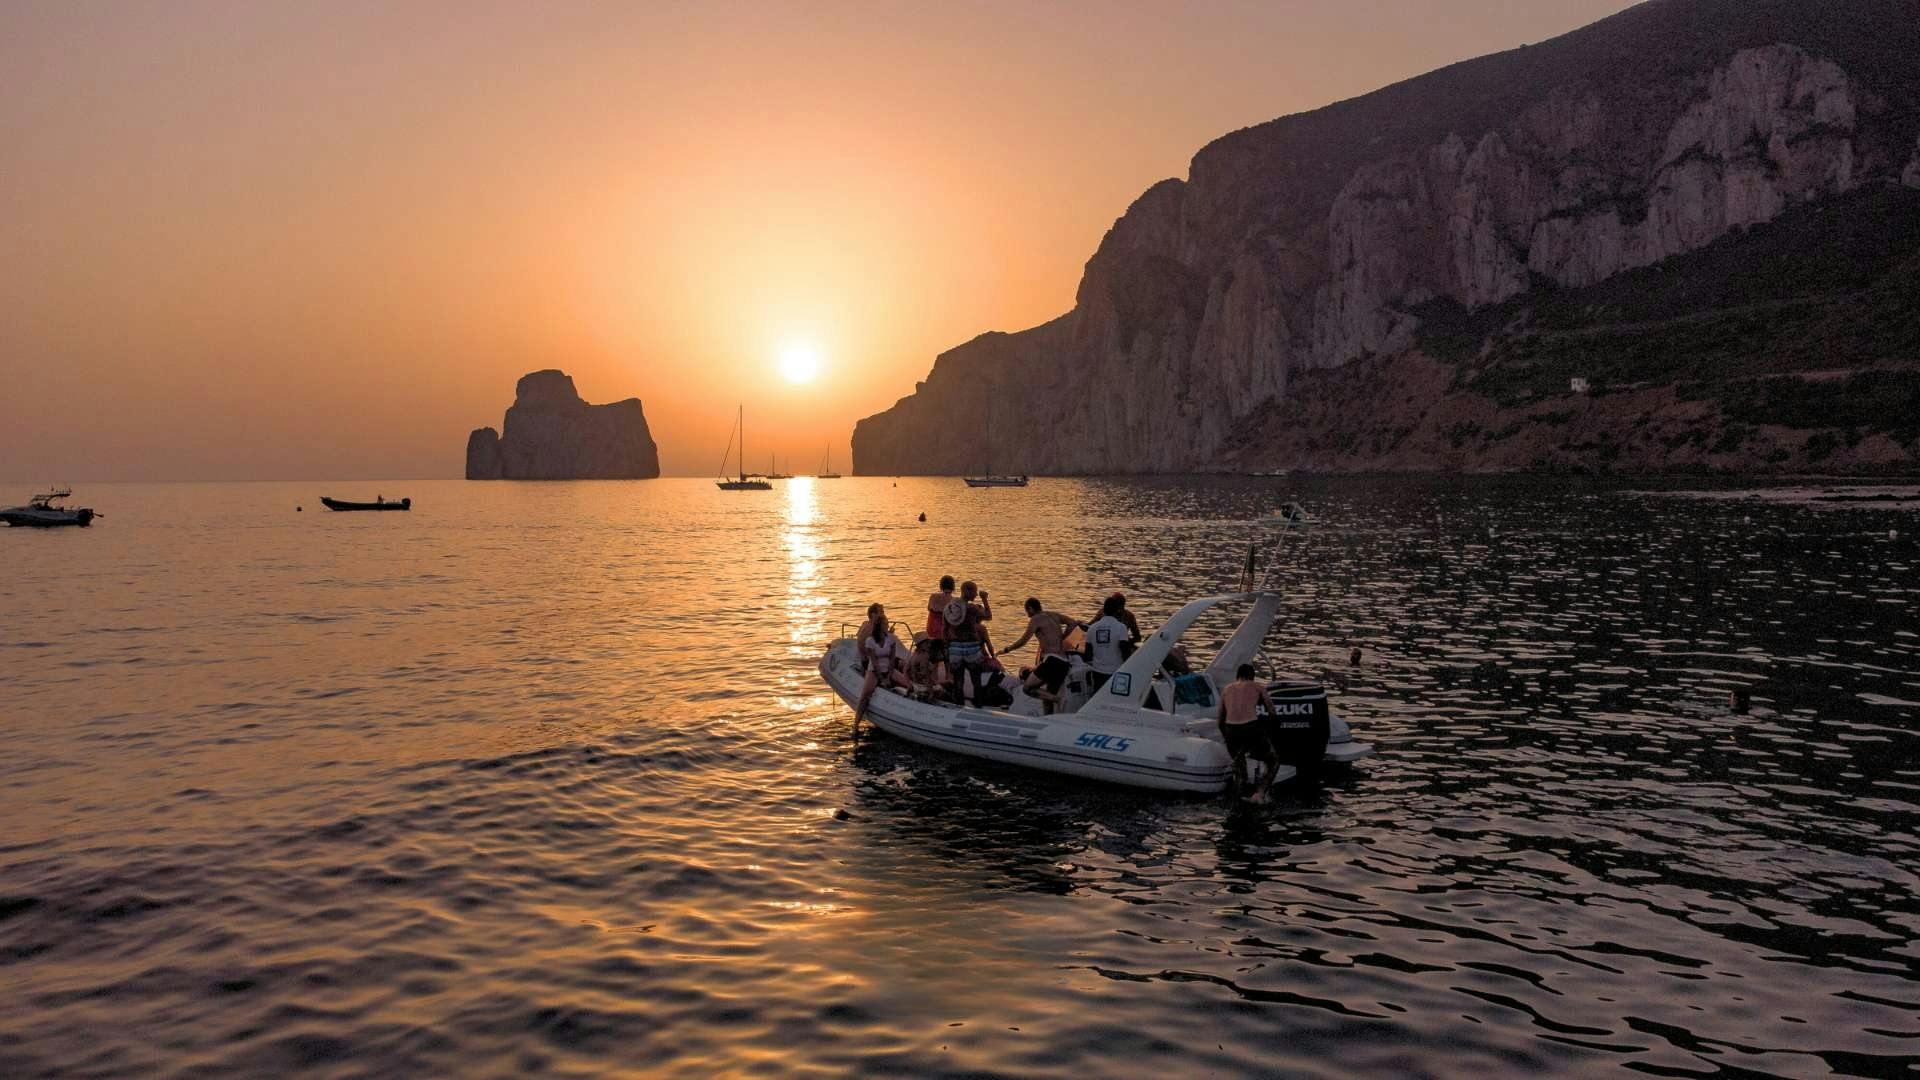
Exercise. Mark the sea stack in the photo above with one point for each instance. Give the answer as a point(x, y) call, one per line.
point(550, 433)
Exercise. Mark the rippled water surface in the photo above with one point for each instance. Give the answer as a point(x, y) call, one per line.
point(543, 778)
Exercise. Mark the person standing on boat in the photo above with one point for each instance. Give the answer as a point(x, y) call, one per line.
point(1116, 606)
point(1108, 642)
point(937, 609)
point(1050, 628)
point(1241, 703)
point(879, 650)
point(967, 640)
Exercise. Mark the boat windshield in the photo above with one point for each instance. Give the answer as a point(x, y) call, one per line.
point(1126, 692)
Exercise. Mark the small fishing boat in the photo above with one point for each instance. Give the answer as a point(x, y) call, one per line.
point(745, 482)
point(1141, 728)
point(379, 503)
point(44, 511)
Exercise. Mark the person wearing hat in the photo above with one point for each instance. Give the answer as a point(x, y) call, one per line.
point(966, 639)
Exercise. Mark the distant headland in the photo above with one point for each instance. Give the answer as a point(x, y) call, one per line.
point(551, 433)
point(1681, 239)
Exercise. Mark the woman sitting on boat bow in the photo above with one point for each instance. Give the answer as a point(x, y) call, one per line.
point(879, 650)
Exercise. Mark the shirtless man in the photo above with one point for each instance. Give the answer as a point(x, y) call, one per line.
point(1050, 629)
point(1240, 702)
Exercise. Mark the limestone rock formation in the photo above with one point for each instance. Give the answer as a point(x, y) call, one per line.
point(551, 434)
point(1331, 238)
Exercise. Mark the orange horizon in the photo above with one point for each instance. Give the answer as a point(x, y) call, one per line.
point(251, 242)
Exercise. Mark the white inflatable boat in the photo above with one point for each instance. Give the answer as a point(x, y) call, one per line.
point(1141, 728)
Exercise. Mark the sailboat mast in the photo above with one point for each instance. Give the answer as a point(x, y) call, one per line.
point(743, 443)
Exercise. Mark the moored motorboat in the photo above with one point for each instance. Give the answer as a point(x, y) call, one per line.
point(996, 481)
point(379, 503)
point(1141, 728)
point(43, 511)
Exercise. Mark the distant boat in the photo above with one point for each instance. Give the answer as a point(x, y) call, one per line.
point(992, 479)
point(743, 483)
point(775, 474)
point(826, 466)
point(379, 503)
point(42, 511)
point(1268, 472)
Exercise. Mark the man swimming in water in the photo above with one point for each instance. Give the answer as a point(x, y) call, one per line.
point(1240, 703)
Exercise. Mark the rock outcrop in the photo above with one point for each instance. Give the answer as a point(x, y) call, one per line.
point(1331, 238)
point(551, 434)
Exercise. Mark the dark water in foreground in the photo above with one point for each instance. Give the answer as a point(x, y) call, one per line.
point(541, 778)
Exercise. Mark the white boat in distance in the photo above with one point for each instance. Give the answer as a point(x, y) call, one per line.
point(42, 511)
point(1134, 730)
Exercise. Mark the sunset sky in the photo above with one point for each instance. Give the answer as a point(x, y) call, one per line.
point(252, 240)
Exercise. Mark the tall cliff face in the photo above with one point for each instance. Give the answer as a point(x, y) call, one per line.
point(550, 433)
point(1323, 240)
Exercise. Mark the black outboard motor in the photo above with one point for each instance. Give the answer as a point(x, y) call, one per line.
point(1299, 724)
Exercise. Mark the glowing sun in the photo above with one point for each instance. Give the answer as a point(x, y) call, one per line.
point(800, 362)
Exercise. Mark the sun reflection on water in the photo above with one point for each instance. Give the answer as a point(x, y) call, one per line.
point(807, 601)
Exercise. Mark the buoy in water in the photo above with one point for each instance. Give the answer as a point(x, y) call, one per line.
point(1354, 656)
point(923, 517)
point(298, 509)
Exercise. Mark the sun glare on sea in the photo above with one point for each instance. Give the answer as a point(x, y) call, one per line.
point(800, 362)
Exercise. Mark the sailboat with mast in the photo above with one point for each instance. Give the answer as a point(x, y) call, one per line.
point(744, 483)
point(826, 466)
point(993, 479)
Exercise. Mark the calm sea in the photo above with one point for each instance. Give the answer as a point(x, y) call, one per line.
point(542, 778)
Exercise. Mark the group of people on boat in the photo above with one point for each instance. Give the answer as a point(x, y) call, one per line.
point(954, 660)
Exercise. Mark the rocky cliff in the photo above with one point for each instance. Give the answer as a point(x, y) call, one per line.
point(1221, 311)
point(551, 434)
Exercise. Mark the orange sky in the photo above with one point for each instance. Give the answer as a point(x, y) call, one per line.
point(251, 240)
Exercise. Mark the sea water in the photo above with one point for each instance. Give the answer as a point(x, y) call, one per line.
point(542, 777)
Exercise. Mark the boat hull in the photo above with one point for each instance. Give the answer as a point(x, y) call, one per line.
point(743, 485)
point(344, 506)
point(996, 481)
point(1135, 756)
point(46, 519)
